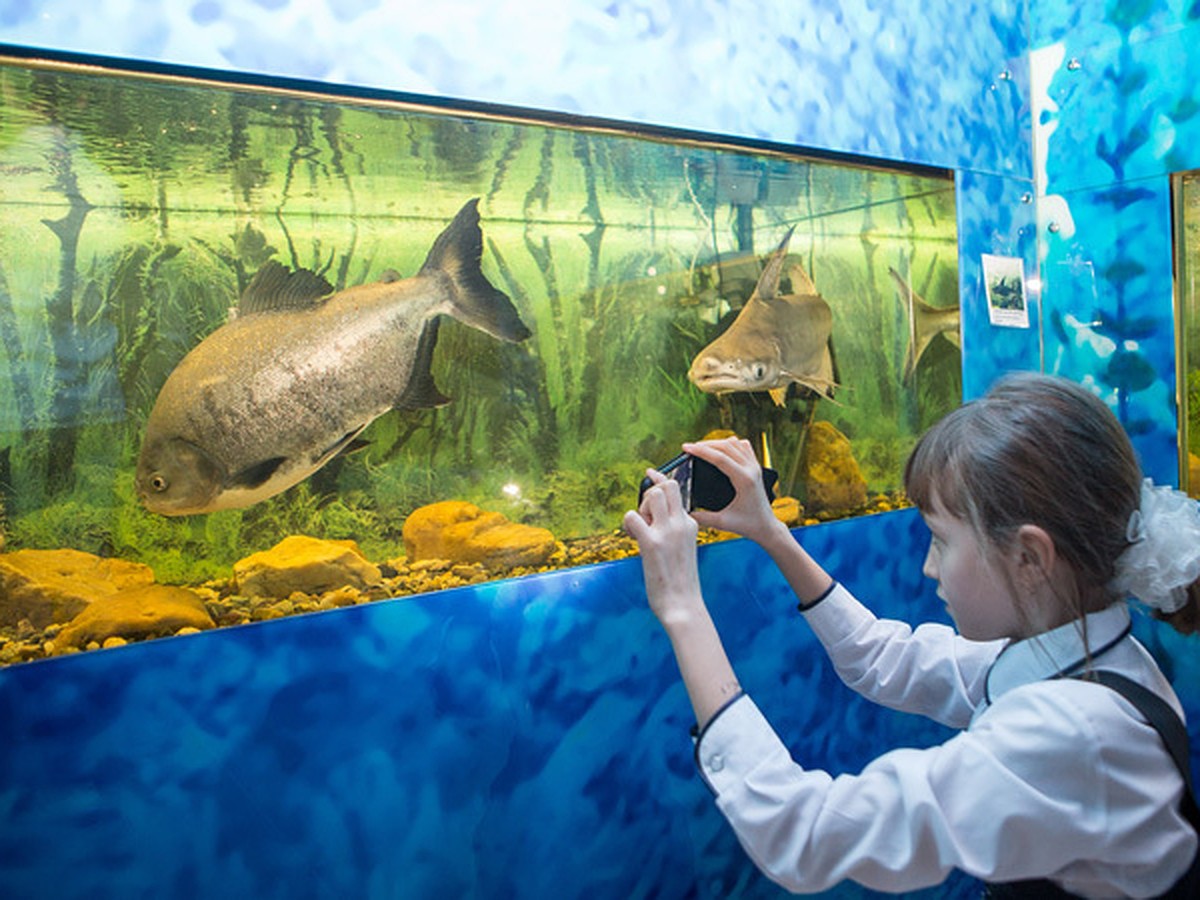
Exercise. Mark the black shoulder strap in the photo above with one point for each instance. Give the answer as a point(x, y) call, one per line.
point(1174, 735)
point(1160, 715)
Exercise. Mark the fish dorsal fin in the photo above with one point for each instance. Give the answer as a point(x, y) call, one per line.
point(768, 282)
point(274, 287)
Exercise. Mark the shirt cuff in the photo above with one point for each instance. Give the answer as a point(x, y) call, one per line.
point(733, 743)
point(805, 607)
point(837, 615)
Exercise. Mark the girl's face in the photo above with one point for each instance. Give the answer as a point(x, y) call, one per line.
point(976, 592)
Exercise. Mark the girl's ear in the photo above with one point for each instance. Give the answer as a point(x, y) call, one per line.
point(1035, 554)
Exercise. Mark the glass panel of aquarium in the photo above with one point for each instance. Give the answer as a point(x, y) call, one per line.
point(1186, 201)
point(246, 320)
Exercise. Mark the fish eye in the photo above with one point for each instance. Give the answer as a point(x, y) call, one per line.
point(158, 484)
point(760, 371)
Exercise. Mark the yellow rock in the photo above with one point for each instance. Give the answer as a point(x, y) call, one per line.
point(305, 564)
point(833, 481)
point(142, 612)
point(46, 586)
point(343, 596)
point(787, 510)
point(463, 533)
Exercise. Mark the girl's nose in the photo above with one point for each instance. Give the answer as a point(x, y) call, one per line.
point(929, 567)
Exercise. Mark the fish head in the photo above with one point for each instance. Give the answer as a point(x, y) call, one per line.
point(176, 477)
point(745, 357)
point(719, 373)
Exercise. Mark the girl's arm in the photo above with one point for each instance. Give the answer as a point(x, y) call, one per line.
point(931, 671)
point(666, 535)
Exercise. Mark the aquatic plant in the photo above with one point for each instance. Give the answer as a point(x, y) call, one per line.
point(71, 523)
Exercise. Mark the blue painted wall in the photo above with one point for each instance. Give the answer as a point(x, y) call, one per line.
point(523, 739)
point(1117, 106)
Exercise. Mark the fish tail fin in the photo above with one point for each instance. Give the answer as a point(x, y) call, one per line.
point(474, 300)
point(918, 342)
point(923, 329)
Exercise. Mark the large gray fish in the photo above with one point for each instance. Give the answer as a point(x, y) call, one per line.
point(776, 340)
point(293, 379)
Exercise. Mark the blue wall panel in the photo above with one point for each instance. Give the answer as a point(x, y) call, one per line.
point(1120, 113)
point(1109, 311)
point(526, 738)
point(995, 217)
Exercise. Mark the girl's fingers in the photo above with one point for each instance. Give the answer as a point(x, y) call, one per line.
point(661, 499)
point(730, 455)
point(635, 525)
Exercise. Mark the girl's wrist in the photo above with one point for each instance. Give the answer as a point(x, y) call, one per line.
point(679, 619)
point(775, 537)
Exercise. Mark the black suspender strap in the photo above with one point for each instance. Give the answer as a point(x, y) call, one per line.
point(1160, 715)
point(1174, 735)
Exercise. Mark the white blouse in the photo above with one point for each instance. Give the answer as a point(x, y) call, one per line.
point(1053, 777)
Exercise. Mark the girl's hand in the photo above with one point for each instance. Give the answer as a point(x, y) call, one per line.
point(749, 513)
point(666, 537)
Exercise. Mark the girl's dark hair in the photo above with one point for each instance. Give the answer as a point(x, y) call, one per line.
point(1040, 450)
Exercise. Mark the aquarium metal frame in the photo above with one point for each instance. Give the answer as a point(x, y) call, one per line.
point(1178, 248)
point(403, 101)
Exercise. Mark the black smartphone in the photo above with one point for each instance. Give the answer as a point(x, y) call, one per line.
point(702, 485)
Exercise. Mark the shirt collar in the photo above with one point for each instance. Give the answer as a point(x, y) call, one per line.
point(1057, 652)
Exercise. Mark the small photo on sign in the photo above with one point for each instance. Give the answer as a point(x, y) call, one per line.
point(1004, 280)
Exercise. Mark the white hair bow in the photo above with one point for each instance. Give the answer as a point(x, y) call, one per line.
point(1163, 557)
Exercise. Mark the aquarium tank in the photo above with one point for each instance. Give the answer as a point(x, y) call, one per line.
point(1186, 196)
point(272, 347)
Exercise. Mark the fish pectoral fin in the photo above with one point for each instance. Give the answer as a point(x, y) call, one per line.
point(818, 384)
point(274, 287)
point(778, 395)
point(350, 442)
point(258, 474)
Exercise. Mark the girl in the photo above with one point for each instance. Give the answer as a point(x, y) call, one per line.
point(1041, 528)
